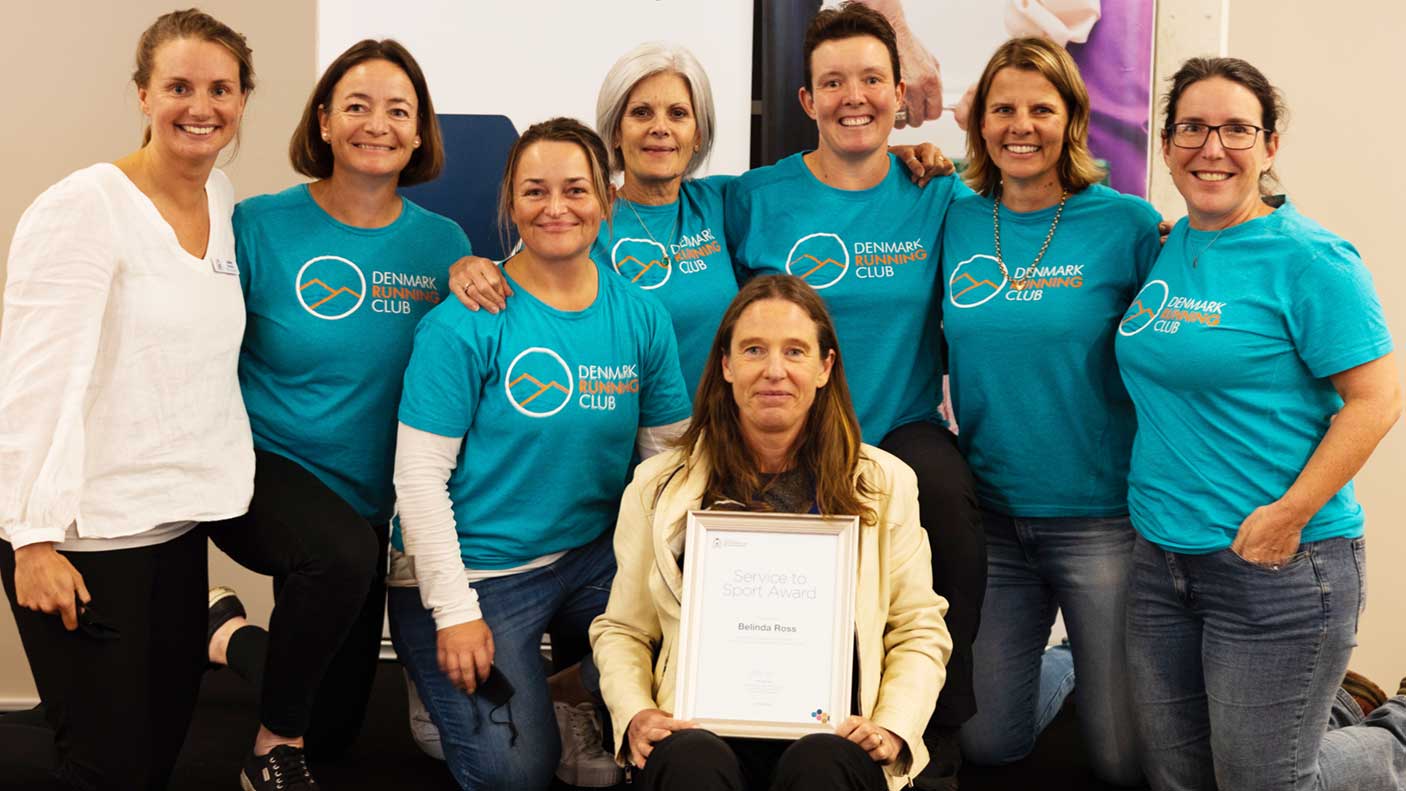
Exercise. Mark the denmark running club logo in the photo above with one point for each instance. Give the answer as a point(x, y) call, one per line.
point(1145, 308)
point(643, 262)
point(975, 281)
point(538, 383)
point(330, 287)
point(820, 259)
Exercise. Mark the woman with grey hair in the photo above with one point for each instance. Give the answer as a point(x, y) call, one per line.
point(655, 112)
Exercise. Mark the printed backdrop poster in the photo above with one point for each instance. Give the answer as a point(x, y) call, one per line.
point(496, 67)
point(1111, 40)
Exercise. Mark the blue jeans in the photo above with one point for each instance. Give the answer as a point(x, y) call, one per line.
point(480, 748)
point(1036, 567)
point(1237, 671)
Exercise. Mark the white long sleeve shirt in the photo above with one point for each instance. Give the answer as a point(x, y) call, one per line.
point(120, 410)
point(431, 560)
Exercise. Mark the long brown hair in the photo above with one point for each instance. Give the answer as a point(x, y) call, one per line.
point(196, 24)
point(828, 446)
point(1077, 167)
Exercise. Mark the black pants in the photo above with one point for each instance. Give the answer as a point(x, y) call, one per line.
point(948, 510)
point(699, 760)
point(315, 664)
point(119, 704)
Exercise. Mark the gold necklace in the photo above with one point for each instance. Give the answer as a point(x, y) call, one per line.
point(668, 259)
point(996, 225)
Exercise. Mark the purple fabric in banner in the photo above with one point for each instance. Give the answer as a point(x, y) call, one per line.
point(1116, 63)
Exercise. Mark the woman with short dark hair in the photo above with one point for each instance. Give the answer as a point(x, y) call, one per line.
point(1261, 367)
point(336, 274)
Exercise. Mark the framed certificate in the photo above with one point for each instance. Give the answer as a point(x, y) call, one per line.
point(766, 632)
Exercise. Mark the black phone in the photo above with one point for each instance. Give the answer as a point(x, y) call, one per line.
point(496, 689)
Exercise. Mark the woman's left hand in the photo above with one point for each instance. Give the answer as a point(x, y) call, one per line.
point(1269, 535)
point(882, 745)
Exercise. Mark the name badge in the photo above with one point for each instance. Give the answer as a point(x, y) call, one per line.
point(224, 266)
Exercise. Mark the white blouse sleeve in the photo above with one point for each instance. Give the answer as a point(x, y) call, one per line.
point(423, 463)
point(60, 272)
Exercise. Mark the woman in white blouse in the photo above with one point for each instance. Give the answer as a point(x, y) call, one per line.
point(121, 423)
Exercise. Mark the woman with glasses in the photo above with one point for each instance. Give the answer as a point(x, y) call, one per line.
point(1260, 365)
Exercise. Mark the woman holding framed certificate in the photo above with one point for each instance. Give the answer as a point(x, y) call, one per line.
point(773, 429)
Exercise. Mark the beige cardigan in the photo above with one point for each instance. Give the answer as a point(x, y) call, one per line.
point(902, 639)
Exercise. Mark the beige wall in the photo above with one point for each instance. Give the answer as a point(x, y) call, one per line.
point(1337, 162)
point(72, 104)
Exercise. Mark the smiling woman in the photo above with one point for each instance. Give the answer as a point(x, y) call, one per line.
point(846, 220)
point(1272, 337)
point(774, 430)
point(342, 263)
point(122, 425)
point(516, 434)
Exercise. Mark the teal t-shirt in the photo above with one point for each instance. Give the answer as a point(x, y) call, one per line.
point(677, 252)
point(1228, 363)
point(548, 403)
point(1044, 419)
point(332, 311)
point(873, 255)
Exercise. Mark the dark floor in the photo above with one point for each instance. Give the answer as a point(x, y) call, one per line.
point(386, 758)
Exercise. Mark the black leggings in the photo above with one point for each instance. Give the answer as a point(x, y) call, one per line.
point(699, 760)
point(119, 705)
point(315, 664)
point(950, 515)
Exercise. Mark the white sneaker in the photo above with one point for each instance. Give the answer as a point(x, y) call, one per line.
point(422, 728)
point(584, 762)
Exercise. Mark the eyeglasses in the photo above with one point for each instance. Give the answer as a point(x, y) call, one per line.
point(1235, 137)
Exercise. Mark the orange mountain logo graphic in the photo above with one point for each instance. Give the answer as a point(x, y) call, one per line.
point(1138, 309)
point(1141, 314)
point(820, 259)
point(538, 382)
point(975, 281)
point(541, 388)
point(629, 255)
point(819, 265)
point(330, 287)
point(972, 283)
point(644, 268)
point(332, 293)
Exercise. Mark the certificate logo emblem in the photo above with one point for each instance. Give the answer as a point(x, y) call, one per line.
point(975, 281)
point(538, 383)
point(820, 259)
point(330, 287)
point(1148, 303)
point(643, 262)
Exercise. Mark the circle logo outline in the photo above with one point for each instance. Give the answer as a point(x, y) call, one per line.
point(668, 267)
point(807, 238)
point(508, 378)
point(952, 298)
point(1166, 294)
point(298, 287)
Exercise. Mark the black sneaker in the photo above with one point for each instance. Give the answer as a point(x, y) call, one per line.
point(283, 769)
